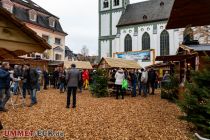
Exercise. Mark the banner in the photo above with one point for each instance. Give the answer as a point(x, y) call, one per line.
point(137, 56)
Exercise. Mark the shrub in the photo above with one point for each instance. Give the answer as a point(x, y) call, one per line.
point(170, 89)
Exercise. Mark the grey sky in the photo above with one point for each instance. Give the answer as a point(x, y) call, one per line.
point(79, 18)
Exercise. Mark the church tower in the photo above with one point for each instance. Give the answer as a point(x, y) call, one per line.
point(110, 12)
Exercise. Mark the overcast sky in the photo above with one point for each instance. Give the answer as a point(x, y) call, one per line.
point(79, 18)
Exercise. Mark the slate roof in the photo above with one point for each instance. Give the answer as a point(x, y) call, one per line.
point(152, 9)
point(30, 4)
point(42, 20)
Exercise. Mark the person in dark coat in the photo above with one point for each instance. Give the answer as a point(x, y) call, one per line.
point(4, 85)
point(24, 80)
point(80, 82)
point(152, 79)
point(73, 77)
point(55, 77)
point(139, 79)
point(1, 126)
point(133, 77)
point(62, 79)
point(46, 78)
point(32, 80)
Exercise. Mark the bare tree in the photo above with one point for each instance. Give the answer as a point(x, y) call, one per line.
point(85, 51)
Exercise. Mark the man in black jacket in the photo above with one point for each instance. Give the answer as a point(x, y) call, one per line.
point(32, 80)
point(4, 85)
point(152, 79)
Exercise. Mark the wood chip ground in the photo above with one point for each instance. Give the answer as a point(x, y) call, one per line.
point(105, 118)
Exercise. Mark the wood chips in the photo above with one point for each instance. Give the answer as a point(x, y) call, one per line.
point(106, 118)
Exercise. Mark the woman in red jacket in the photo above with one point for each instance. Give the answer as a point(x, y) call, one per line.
point(85, 77)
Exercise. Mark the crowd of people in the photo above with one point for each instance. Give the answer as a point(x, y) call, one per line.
point(23, 79)
point(143, 80)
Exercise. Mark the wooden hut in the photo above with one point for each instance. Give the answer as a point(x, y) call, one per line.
point(79, 64)
point(108, 63)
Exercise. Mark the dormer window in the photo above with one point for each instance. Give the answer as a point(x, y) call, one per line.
point(144, 17)
point(106, 4)
point(52, 22)
point(33, 15)
point(116, 2)
point(8, 5)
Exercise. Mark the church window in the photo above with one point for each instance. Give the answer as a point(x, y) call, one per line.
point(106, 4)
point(164, 43)
point(145, 41)
point(116, 2)
point(128, 43)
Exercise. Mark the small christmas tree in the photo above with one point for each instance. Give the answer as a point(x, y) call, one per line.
point(99, 87)
point(196, 103)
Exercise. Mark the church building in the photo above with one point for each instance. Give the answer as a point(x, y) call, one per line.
point(125, 28)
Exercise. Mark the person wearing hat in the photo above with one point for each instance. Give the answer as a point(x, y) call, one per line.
point(73, 77)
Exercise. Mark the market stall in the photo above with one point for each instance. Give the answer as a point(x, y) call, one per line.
point(110, 63)
point(79, 64)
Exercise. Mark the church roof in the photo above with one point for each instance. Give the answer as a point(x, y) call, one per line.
point(145, 12)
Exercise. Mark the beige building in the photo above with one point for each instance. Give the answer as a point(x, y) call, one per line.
point(43, 23)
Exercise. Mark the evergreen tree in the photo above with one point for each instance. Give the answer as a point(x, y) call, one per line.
point(196, 103)
point(99, 87)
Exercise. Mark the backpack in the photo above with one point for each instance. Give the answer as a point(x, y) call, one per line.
point(125, 84)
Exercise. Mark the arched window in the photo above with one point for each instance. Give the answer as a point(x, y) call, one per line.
point(106, 4)
point(116, 2)
point(145, 41)
point(164, 43)
point(128, 43)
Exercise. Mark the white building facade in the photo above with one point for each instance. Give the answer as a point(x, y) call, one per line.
point(141, 26)
point(110, 12)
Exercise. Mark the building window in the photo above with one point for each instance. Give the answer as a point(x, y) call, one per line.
point(52, 22)
point(145, 41)
point(128, 43)
point(57, 57)
point(8, 5)
point(57, 41)
point(106, 4)
point(116, 2)
point(32, 15)
point(164, 43)
point(46, 38)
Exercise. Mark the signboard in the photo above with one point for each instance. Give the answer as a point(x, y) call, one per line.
point(144, 56)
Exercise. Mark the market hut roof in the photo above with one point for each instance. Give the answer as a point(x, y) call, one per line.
point(79, 64)
point(185, 12)
point(120, 63)
point(16, 38)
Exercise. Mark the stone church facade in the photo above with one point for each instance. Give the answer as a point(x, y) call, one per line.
point(136, 27)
